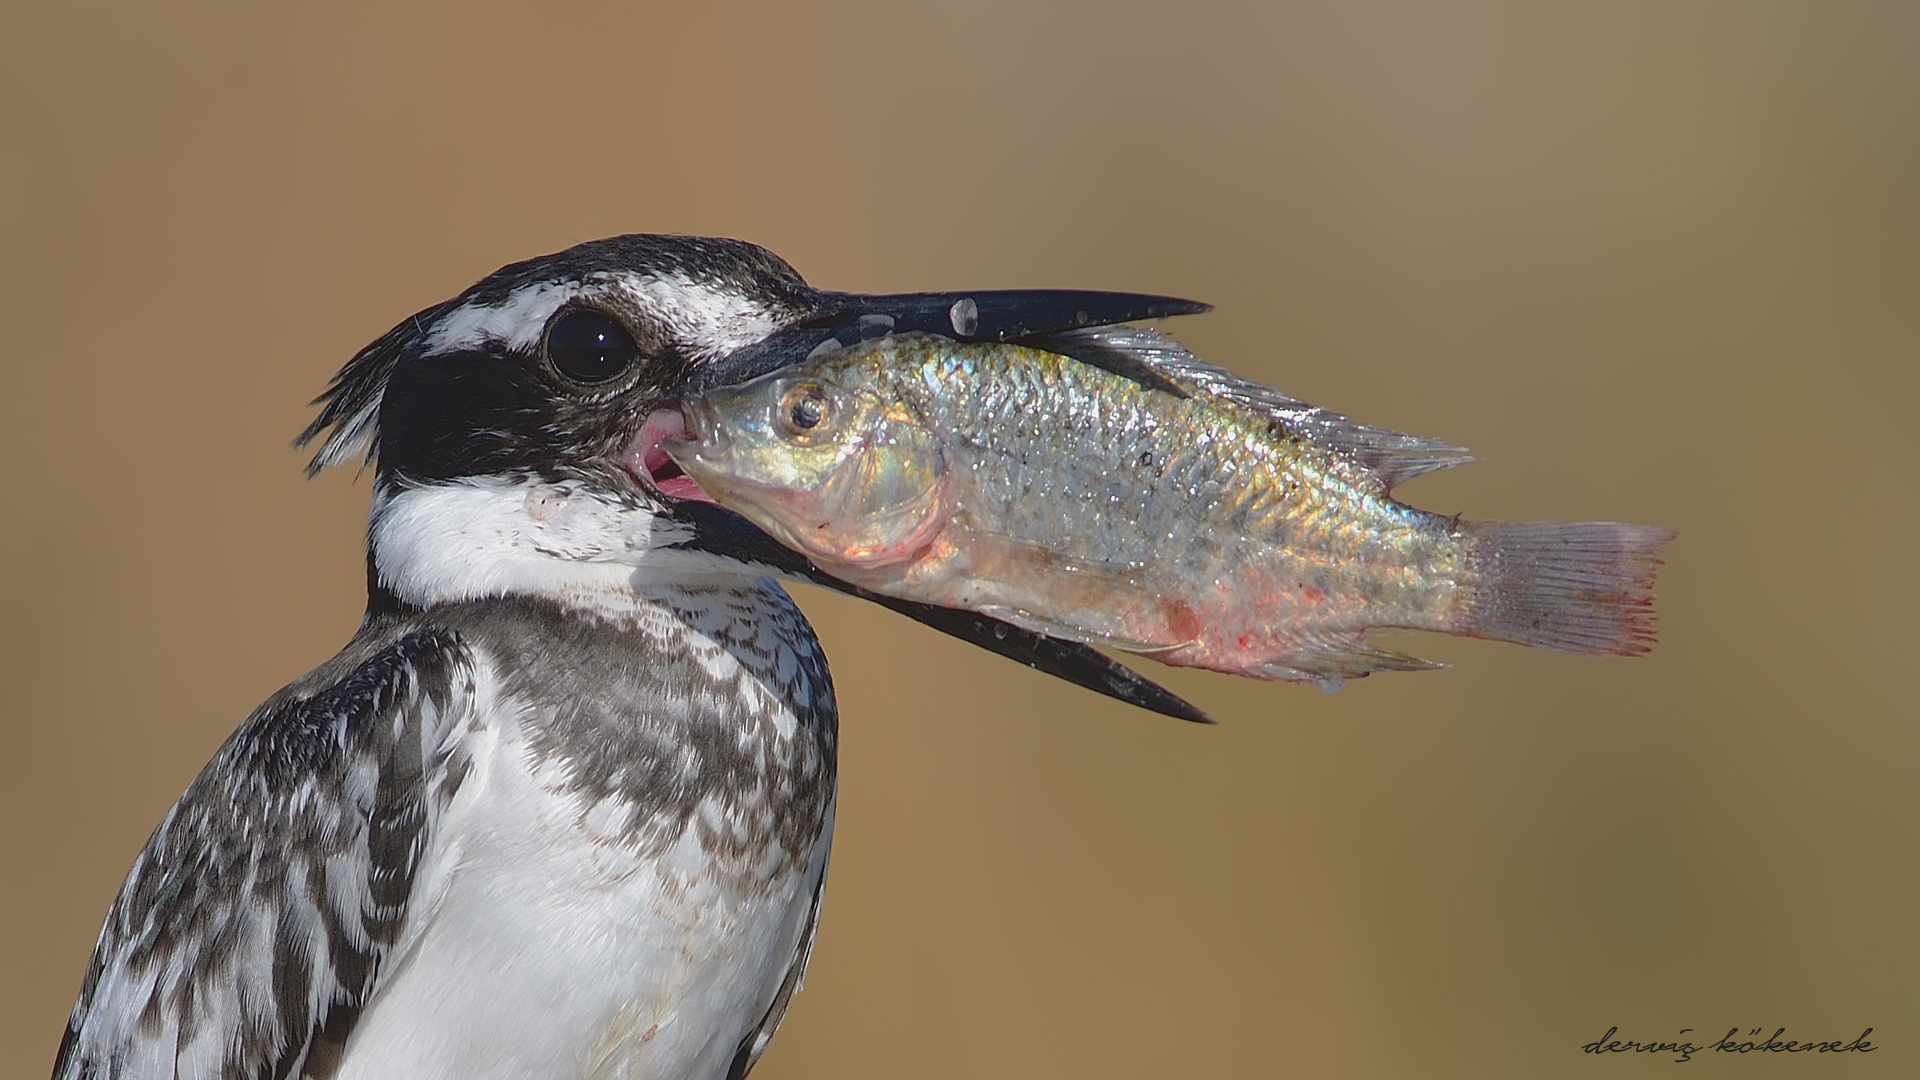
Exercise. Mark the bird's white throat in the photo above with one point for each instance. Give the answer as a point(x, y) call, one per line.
point(490, 536)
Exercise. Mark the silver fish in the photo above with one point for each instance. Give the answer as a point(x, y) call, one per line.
point(1202, 521)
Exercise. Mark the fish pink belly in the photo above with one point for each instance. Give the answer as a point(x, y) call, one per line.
point(1249, 628)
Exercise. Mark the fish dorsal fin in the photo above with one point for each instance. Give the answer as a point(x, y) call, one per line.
point(1393, 456)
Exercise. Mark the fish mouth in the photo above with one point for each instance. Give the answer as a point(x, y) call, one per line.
point(647, 461)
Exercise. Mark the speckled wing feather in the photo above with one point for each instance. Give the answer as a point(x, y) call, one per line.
point(1392, 455)
point(252, 928)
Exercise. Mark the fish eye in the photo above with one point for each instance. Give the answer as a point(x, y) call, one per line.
point(807, 413)
point(590, 347)
point(802, 410)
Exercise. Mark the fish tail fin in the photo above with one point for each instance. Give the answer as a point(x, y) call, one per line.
point(1574, 587)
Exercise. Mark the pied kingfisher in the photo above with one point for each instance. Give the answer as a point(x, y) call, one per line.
point(562, 806)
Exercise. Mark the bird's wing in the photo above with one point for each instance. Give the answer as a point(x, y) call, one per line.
point(756, 1041)
point(252, 928)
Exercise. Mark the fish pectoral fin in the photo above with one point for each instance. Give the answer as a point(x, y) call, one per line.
point(1328, 660)
point(1054, 628)
point(1011, 569)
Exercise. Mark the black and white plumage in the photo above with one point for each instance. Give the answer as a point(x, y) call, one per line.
point(563, 805)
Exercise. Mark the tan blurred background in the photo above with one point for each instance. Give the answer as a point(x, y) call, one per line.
point(1654, 262)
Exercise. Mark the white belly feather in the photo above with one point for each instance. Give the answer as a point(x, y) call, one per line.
point(544, 942)
point(540, 947)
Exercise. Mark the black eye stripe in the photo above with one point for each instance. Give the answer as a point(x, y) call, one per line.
point(590, 347)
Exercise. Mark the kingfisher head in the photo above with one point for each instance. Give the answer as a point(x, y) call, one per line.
point(508, 425)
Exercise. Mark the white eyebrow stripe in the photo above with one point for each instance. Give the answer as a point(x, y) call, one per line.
point(707, 320)
point(515, 322)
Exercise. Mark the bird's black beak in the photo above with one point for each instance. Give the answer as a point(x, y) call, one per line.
point(843, 319)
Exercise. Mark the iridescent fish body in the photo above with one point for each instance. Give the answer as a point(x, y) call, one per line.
point(1140, 498)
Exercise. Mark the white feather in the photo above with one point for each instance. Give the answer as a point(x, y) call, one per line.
point(515, 322)
point(708, 320)
point(489, 537)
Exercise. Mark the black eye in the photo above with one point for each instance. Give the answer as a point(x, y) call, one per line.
point(590, 347)
point(807, 413)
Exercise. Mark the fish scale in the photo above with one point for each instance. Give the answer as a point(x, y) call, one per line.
point(1174, 468)
point(1233, 528)
point(1141, 461)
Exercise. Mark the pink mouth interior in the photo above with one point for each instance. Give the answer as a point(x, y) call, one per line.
point(646, 459)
